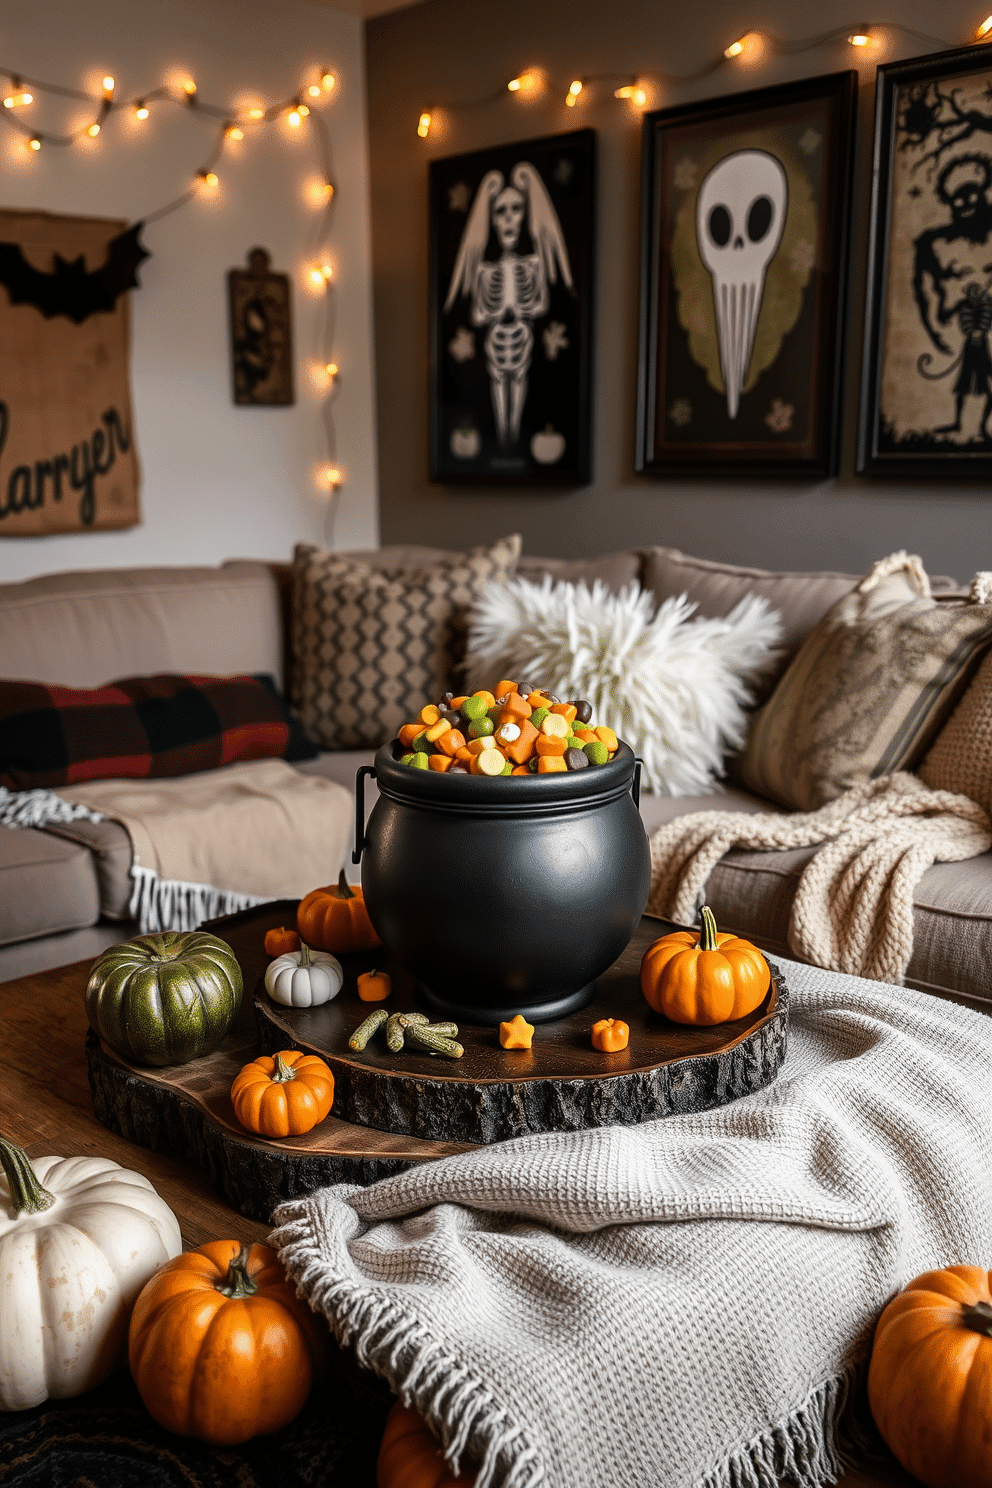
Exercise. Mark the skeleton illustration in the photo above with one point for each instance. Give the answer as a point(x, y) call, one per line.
point(740, 214)
point(510, 292)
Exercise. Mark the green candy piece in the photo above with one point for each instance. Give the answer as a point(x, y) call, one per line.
point(406, 759)
point(480, 728)
point(572, 742)
point(507, 769)
point(422, 745)
point(597, 752)
point(420, 759)
point(493, 714)
point(473, 707)
point(538, 716)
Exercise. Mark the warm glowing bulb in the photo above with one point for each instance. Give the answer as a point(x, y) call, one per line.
point(313, 90)
point(189, 88)
point(333, 476)
point(18, 100)
point(639, 97)
point(515, 84)
point(108, 84)
point(327, 81)
point(294, 118)
point(985, 27)
point(302, 110)
point(327, 270)
point(735, 48)
point(141, 112)
point(860, 39)
point(93, 131)
point(34, 144)
point(209, 178)
point(235, 133)
point(316, 278)
point(423, 128)
point(256, 113)
point(331, 369)
point(625, 92)
point(575, 88)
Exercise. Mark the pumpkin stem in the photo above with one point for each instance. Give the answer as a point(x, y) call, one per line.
point(282, 1071)
point(27, 1195)
point(344, 892)
point(707, 935)
point(304, 954)
point(978, 1318)
point(237, 1283)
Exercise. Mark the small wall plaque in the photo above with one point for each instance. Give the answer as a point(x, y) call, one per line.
point(261, 332)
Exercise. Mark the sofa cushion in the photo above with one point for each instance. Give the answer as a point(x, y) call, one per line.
point(109, 844)
point(372, 645)
point(868, 689)
point(47, 885)
point(84, 629)
point(615, 570)
point(961, 757)
point(141, 728)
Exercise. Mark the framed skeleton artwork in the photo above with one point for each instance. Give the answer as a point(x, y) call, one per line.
point(744, 249)
point(511, 280)
point(926, 395)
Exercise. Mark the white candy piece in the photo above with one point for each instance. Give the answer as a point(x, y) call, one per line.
point(508, 733)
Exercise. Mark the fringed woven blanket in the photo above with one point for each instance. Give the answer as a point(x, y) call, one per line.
point(684, 1303)
point(211, 843)
point(853, 909)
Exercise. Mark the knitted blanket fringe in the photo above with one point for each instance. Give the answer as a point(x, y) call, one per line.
point(853, 909)
point(156, 903)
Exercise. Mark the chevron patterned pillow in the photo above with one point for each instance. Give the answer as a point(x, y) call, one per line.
point(372, 645)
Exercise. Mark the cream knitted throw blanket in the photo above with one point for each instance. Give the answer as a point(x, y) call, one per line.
point(853, 910)
point(682, 1304)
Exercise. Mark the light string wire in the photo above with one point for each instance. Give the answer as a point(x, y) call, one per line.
point(317, 236)
point(527, 82)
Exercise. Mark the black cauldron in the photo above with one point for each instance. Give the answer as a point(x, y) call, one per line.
point(507, 895)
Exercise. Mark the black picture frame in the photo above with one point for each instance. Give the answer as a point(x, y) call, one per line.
point(926, 387)
point(741, 332)
point(511, 394)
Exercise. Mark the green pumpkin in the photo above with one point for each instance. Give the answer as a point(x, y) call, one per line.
point(164, 999)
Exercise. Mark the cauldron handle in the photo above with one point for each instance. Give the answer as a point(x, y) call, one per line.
point(361, 841)
point(635, 785)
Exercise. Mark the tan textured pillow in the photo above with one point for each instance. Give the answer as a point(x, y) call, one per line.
point(961, 758)
point(868, 689)
point(372, 645)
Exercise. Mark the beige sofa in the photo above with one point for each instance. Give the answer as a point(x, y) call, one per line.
point(64, 890)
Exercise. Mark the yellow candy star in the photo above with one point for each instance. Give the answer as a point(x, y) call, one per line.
point(517, 1034)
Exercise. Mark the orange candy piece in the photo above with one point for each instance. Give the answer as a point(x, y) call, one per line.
point(552, 764)
point(567, 711)
point(545, 745)
point(514, 709)
point(408, 733)
point(502, 688)
point(610, 1035)
point(517, 1033)
point(520, 750)
point(440, 762)
point(451, 742)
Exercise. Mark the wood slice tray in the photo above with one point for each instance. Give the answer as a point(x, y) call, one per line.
point(392, 1111)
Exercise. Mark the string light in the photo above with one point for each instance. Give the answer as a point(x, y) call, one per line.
point(189, 88)
point(234, 132)
point(634, 92)
point(331, 369)
point(424, 126)
point(313, 90)
point(333, 477)
point(209, 178)
point(294, 118)
point(985, 27)
point(327, 81)
point(317, 278)
point(256, 113)
point(93, 130)
point(735, 48)
point(34, 144)
point(108, 85)
point(860, 38)
point(141, 109)
point(515, 84)
point(302, 110)
point(574, 89)
point(18, 100)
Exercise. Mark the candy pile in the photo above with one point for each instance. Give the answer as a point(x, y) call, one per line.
point(512, 730)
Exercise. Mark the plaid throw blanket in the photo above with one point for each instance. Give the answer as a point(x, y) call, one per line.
point(687, 1302)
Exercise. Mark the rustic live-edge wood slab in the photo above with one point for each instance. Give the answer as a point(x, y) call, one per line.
point(391, 1111)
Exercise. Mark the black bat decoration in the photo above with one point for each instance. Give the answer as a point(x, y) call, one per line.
point(71, 289)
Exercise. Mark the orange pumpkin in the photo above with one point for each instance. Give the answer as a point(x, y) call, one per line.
point(334, 918)
point(610, 1035)
point(929, 1376)
point(410, 1456)
point(704, 978)
point(220, 1346)
point(281, 942)
point(283, 1095)
point(374, 986)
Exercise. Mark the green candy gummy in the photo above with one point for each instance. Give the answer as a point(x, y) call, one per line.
point(473, 707)
point(538, 716)
point(597, 752)
point(480, 728)
point(420, 759)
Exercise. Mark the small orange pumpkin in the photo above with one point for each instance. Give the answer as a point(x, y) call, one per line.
point(374, 986)
point(281, 942)
point(283, 1095)
point(928, 1380)
point(220, 1346)
point(704, 978)
point(410, 1457)
point(610, 1035)
point(334, 918)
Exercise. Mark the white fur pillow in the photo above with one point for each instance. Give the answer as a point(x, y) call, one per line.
point(675, 688)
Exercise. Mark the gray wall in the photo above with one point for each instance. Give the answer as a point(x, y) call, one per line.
point(452, 50)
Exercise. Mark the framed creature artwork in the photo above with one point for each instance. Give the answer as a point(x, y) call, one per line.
point(511, 285)
point(926, 395)
point(744, 249)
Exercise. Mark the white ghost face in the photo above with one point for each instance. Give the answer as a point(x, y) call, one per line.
point(508, 216)
point(740, 214)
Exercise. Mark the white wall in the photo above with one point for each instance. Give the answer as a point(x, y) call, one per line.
point(218, 480)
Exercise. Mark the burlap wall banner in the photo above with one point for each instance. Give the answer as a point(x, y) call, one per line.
point(68, 461)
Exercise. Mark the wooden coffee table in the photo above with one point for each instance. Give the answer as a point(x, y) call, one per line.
point(46, 1106)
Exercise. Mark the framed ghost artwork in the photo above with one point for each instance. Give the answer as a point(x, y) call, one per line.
point(511, 283)
point(926, 393)
point(745, 231)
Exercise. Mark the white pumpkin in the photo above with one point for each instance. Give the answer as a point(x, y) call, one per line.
point(304, 978)
point(79, 1237)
